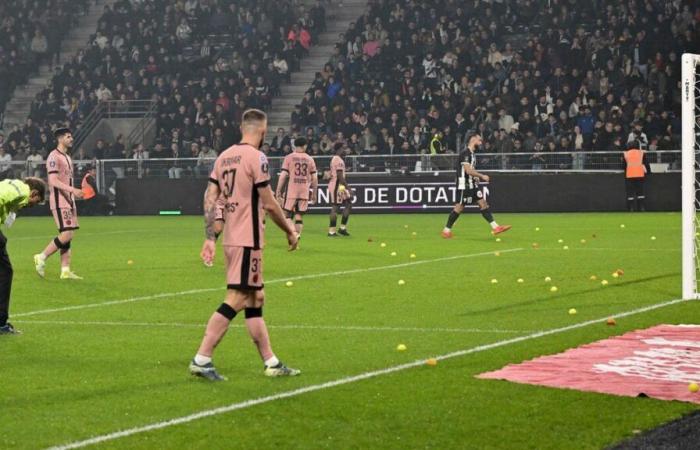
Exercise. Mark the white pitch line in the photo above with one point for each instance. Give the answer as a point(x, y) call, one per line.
point(26, 238)
point(278, 280)
point(281, 327)
point(343, 381)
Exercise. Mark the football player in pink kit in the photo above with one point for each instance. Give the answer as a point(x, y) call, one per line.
point(241, 176)
point(339, 193)
point(62, 195)
point(297, 178)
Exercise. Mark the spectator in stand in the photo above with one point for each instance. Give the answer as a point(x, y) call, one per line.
point(205, 162)
point(452, 59)
point(5, 164)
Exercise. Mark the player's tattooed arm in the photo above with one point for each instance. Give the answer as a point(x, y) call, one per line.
point(473, 173)
point(210, 196)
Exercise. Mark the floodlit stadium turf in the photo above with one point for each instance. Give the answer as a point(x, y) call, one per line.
point(110, 352)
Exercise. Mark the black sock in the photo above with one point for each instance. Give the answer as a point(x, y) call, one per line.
point(640, 204)
point(487, 215)
point(454, 215)
point(344, 219)
point(334, 220)
point(630, 204)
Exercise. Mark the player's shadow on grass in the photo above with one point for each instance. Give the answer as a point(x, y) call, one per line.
point(568, 295)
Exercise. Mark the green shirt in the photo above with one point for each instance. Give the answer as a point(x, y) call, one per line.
point(14, 195)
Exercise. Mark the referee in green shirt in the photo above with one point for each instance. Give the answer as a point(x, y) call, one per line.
point(14, 195)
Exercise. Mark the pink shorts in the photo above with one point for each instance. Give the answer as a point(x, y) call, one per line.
point(296, 205)
point(244, 269)
point(66, 219)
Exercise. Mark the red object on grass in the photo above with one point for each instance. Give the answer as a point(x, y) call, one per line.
point(658, 362)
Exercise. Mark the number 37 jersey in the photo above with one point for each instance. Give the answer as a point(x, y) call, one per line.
point(301, 169)
point(239, 172)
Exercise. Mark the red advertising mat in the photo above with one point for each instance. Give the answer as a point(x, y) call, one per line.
point(659, 362)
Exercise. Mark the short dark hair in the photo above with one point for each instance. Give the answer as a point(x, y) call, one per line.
point(300, 142)
point(38, 185)
point(61, 132)
point(253, 116)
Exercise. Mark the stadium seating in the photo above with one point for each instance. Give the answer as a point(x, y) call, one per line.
point(531, 75)
point(202, 62)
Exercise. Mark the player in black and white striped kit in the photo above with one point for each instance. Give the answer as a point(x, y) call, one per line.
point(471, 191)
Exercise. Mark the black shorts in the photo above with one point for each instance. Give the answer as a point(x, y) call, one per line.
point(471, 196)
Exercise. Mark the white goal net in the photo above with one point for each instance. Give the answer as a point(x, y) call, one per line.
point(690, 92)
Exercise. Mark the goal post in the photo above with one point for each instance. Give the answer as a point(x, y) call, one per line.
point(690, 94)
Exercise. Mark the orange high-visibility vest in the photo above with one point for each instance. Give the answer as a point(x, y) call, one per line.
point(635, 168)
point(88, 191)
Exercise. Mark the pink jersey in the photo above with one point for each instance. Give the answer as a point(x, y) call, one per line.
point(62, 165)
point(337, 164)
point(301, 169)
point(239, 172)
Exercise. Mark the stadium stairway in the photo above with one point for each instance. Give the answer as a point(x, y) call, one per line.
point(17, 109)
point(338, 19)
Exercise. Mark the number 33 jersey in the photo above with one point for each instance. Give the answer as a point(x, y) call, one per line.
point(239, 172)
point(301, 169)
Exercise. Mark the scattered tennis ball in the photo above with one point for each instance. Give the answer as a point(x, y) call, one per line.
point(561, 241)
point(615, 275)
point(383, 244)
point(414, 234)
point(393, 253)
point(401, 348)
point(401, 282)
point(611, 321)
point(593, 278)
point(535, 245)
point(553, 289)
point(572, 311)
point(498, 239)
point(494, 281)
point(547, 279)
point(431, 361)
point(497, 254)
point(566, 247)
point(537, 228)
point(620, 272)
point(289, 283)
point(413, 255)
point(520, 280)
point(583, 241)
point(130, 262)
point(653, 238)
point(622, 225)
point(693, 387)
point(405, 226)
point(604, 282)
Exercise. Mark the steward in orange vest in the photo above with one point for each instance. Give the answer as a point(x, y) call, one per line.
point(636, 169)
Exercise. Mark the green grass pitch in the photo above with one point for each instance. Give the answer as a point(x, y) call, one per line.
point(90, 363)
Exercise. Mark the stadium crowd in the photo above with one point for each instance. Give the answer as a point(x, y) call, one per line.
point(31, 33)
point(202, 61)
point(407, 77)
point(531, 75)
